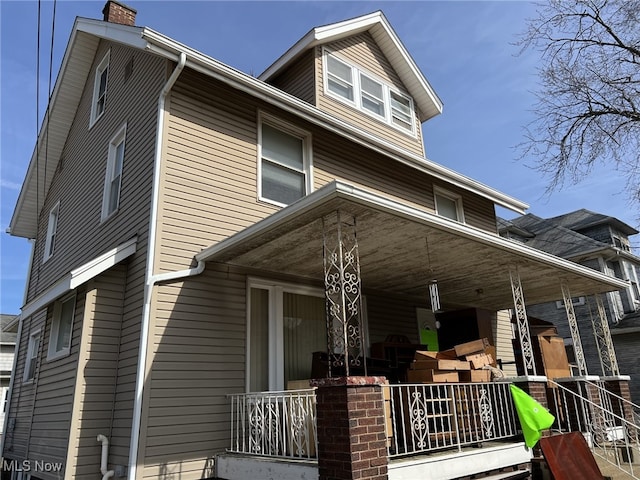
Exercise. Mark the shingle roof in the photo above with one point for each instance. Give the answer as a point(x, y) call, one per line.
point(583, 218)
point(7, 336)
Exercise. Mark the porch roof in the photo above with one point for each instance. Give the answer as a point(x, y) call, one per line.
point(402, 248)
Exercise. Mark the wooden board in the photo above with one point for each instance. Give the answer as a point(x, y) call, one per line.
point(479, 360)
point(475, 346)
point(554, 357)
point(569, 457)
point(439, 364)
point(475, 376)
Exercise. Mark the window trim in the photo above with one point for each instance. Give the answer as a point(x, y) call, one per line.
point(120, 137)
point(30, 355)
point(575, 301)
point(387, 91)
point(307, 156)
point(52, 230)
point(52, 354)
point(100, 69)
point(456, 198)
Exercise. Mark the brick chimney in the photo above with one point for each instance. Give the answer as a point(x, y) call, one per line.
point(117, 12)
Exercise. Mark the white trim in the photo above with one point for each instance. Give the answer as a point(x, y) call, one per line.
point(80, 275)
point(30, 354)
point(52, 353)
point(52, 230)
point(580, 301)
point(307, 152)
point(102, 67)
point(120, 138)
point(454, 197)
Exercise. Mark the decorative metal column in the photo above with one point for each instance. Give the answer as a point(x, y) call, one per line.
point(606, 352)
point(342, 292)
point(522, 322)
point(573, 327)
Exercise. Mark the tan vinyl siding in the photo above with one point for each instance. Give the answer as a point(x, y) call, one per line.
point(79, 181)
point(197, 357)
point(504, 347)
point(362, 51)
point(22, 399)
point(98, 361)
point(298, 78)
point(79, 185)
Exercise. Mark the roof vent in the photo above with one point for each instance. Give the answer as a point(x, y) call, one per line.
point(116, 12)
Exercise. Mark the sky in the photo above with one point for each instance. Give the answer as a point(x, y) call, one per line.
point(465, 49)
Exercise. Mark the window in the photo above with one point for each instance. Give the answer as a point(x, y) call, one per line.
point(284, 164)
point(339, 78)
point(576, 301)
point(32, 356)
point(100, 90)
point(362, 90)
point(287, 324)
point(61, 327)
point(52, 227)
point(113, 177)
point(448, 205)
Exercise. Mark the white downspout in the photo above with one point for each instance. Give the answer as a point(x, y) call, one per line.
point(152, 279)
point(106, 474)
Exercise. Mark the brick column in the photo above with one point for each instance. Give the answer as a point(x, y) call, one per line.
point(351, 428)
point(619, 385)
point(535, 386)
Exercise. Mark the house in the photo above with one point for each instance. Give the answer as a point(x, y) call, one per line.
point(8, 334)
point(600, 242)
point(229, 228)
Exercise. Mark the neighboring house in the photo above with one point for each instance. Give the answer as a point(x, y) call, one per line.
point(600, 242)
point(8, 335)
point(197, 227)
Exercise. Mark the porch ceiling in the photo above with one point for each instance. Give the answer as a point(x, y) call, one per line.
point(470, 265)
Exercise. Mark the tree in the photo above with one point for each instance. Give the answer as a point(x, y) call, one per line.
point(588, 109)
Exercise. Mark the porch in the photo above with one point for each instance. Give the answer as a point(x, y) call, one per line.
point(351, 241)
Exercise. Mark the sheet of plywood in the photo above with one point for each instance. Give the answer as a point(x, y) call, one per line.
point(554, 357)
point(569, 457)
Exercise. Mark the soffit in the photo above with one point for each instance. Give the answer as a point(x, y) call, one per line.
point(471, 266)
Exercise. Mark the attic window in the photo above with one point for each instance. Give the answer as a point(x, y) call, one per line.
point(362, 90)
point(448, 205)
point(99, 101)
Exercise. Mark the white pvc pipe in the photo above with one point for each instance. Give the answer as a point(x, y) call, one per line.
point(106, 474)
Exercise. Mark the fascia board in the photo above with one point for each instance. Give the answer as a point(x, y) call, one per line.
point(163, 45)
point(80, 275)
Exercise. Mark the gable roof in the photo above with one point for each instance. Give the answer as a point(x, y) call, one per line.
point(583, 219)
point(429, 105)
point(76, 66)
point(549, 236)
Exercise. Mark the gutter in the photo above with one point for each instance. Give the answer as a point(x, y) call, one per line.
point(150, 279)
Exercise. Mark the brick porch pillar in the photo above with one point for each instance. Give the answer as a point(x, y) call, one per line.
point(535, 386)
point(351, 428)
point(619, 385)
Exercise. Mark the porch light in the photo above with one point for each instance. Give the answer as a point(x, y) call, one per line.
point(435, 296)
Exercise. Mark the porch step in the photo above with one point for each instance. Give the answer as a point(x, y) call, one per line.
point(515, 475)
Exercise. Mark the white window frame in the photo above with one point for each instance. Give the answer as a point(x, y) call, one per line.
point(33, 349)
point(103, 67)
point(387, 91)
point(52, 229)
point(307, 161)
point(454, 197)
point(52, 353)
point(110, 173)
point(576, 301)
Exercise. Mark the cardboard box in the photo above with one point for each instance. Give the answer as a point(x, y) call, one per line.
point(439, 364)
point(432, 376)
point(479, 360)
point(475, 376)
point(475, 346)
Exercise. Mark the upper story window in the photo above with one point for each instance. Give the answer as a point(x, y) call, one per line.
point(365, 92)
point(32, 357)
point(52, 228)
point(61, 327)
point(99, 101)
point(113, 176)
point(448, 204)
point(284, 163)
